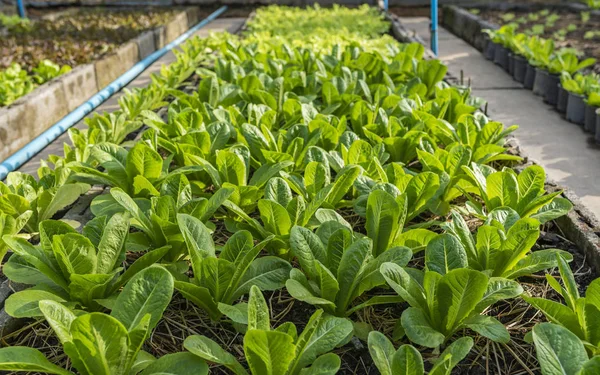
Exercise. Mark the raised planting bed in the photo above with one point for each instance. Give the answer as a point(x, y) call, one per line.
point(99, 45)
point(307, 197)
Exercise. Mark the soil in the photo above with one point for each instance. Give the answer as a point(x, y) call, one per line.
point(75, 38)
point(565, 19)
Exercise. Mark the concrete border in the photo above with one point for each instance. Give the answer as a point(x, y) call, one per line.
point(32, 114)
point(579, 226)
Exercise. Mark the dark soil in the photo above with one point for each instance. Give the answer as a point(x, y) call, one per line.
point(80, 37)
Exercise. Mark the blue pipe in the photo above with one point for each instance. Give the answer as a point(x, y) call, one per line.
point(40, 142)
point(21, 9)
point(434, 27)
point(385, 5)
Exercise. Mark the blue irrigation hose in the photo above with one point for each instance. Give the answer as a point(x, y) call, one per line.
point(41, 141)
point(21, 9)
point(434, 27)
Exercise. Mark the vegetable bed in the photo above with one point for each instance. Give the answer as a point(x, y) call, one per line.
point(310, 197)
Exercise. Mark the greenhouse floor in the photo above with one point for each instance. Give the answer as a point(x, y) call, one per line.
point(143, 80)
point(569, 155)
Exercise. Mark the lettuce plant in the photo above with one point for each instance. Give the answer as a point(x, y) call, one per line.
point(560, 351)
point(501, 249)
point(222, 280)
point(443, 304)
point(279, 351)
point(22, 196)
point(336, 268)
point(280, 211)
point(137, 171)
point(156, 218)
point(524, 193)
point(102, 344)
point(579, 313)
point(71, 268)
point(407, 359)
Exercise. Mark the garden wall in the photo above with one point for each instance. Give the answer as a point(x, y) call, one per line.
point(32, 114)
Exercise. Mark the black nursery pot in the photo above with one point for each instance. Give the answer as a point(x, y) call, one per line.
point(490, 50)
point(541, 81)
point(511, 63)
point(519, 68)
point(551, 94)
point(529, 77)
point(575, 109)
point(501, 56)
point(563, 97)
point(589, 122)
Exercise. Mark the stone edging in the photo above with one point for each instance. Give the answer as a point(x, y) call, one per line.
point(580, 225)
point(32, 114)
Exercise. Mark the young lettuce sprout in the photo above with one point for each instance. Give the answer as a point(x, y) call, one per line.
point(501, 247)
point(219, 281)
point(579, 313)
point(279, 351)
point(408, 360)
point(336, 268)
point(442, 304)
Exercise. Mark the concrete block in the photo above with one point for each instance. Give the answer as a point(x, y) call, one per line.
point(79, 84)
point(115, 64)
point(160, 36)
point(146, 44)
point(176, 27)
point(31, 115)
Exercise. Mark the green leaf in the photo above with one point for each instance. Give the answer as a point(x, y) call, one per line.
point(25, 304)
point(382, 352)
point(143, 161)
point(420, 189)
point(148, 292)
point(558, 350)
point(267, 273)
point(327, 364)
point(177, 364)
point(419, 330)
point(20, 358)
point(342, 184)
point(383, 219)
point(452, 355)
point(444, 254)
point(258, 311)
point(200, 296)
point(112, 243)
point(101, 342)
point(275, 217)
point(59, 317)
point(231, 168)
point(557, 313)
point(308, 248)
point(330, 331)
point(210, 351)
point(268, 352)
point(489, 327)
point(50, 201)
point(458, 292)
point(352, 265)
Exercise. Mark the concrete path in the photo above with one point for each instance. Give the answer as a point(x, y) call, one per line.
point(143, 80)
point(569, 155)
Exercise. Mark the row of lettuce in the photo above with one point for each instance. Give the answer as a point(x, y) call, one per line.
point(309, 123)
